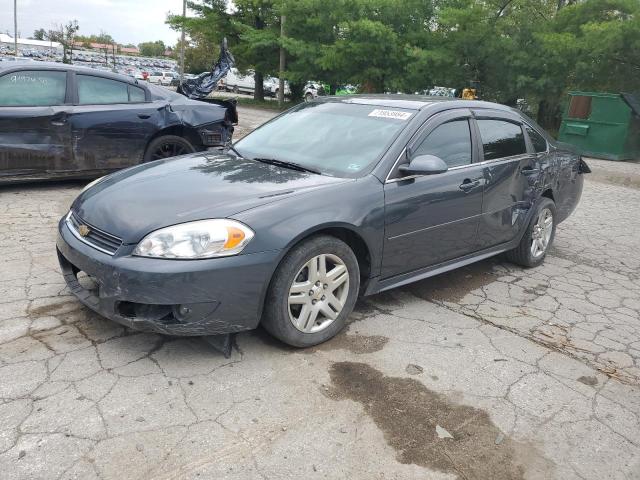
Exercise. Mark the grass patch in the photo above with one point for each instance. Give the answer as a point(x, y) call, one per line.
point(264, 104)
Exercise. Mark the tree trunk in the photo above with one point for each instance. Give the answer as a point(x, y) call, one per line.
point(258, 92)
point(549, 115)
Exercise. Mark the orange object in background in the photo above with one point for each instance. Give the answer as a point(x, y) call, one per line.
point(469, 94)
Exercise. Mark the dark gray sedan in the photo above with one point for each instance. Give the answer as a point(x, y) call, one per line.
point(333, 199)
point(63, 121)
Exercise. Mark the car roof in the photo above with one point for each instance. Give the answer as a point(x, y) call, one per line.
point(65, 66)
point(409, 101)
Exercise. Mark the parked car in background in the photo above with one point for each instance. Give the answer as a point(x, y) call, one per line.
point(237, 82)
point(335, 198)
point(313, 90)
point(168, 77)
point(272, 87)
point(61, 121)
point(154, 76)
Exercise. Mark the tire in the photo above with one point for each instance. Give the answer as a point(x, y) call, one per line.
point(523, 254)
point(236, 89)
point(308, 97)
point(167, 146)
point(279, 316)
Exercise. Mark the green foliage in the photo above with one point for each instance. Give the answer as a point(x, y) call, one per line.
point(152, 49)
point(40, 34)
point(511, 49)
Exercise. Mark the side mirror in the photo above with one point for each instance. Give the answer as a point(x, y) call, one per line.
point(424, 165)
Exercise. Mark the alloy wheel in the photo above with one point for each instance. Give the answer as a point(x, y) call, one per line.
point(541, 233)
point(318, 293)
point(169, 149)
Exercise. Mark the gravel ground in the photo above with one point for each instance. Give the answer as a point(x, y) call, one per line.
point(491, 371)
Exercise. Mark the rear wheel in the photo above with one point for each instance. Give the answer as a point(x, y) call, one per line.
point(312, 292)
point(167, 146)
point(308, 97)
point(236, 89)
point(538, 238)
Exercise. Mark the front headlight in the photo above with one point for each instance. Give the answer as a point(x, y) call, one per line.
point(194, 240)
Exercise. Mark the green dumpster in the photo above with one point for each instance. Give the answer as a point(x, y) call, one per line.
point(603, 125)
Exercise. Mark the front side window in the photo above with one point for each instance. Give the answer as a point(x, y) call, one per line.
point(99, 91)
point(33, 88)
point(450, 141)
point(501, 139)
point(339, 139)
point(538, 141)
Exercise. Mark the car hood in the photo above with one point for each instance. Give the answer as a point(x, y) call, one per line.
point(134, 202)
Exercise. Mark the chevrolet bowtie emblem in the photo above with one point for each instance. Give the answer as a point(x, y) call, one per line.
point(83, 230)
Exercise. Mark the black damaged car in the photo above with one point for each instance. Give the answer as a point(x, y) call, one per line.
point(335, 198)
point(62, 121)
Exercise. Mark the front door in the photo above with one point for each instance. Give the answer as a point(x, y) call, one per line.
point(35, 137)
point(432, 219)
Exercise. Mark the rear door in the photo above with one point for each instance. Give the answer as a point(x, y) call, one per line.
point(35, 137)
point(111, 122)
point(434, 218)
point(510, 171)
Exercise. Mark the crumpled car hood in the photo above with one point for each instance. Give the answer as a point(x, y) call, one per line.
point(134, 202)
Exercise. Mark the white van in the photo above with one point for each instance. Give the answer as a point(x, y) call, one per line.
point(236, 82)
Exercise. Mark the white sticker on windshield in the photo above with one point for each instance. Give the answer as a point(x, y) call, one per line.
point(395, 114)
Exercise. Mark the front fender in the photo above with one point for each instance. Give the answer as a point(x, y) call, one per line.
point(357, 206)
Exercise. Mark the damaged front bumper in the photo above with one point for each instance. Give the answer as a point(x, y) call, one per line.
point(172, 297)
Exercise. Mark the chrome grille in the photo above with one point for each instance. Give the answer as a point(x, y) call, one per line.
point(96, 238)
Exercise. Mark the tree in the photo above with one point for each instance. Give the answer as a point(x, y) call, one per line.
point(535, 50)
point(152, 49)
point(40, 34)
point(252, 29)
point(65, 35)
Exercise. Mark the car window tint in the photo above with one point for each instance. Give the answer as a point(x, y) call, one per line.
point(501, 139)
point(450, 141)
point(96, 90)
point(33, 88)
point(538, 141)
point(338, 139)
point(136, 94)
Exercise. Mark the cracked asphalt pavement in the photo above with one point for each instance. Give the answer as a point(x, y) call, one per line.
point(491, 371)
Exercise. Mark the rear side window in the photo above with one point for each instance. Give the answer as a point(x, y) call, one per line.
point(538, 141)
point(101, 91)
point(33, 88)
point(501, 139)
point(136, 94)
point(450, 141)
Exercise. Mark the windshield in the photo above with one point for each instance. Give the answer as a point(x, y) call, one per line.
point(338, 139)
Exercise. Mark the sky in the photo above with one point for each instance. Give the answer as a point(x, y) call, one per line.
point(127, 21)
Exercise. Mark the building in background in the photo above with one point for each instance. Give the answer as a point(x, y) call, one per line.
point(28, 44)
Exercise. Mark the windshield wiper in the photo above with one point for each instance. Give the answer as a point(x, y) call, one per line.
point(233, 149)
point(285, 164)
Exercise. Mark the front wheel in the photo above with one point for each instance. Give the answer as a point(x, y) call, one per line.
point(312, 293)
point(538, 237)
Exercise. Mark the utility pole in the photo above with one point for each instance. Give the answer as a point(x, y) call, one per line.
point(15, 26)
point(184, 16)
point(282, 62)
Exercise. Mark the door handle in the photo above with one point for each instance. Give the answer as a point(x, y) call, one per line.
point(467, 184)
point(529, 171)
point(144, 116)
point(59, 120)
